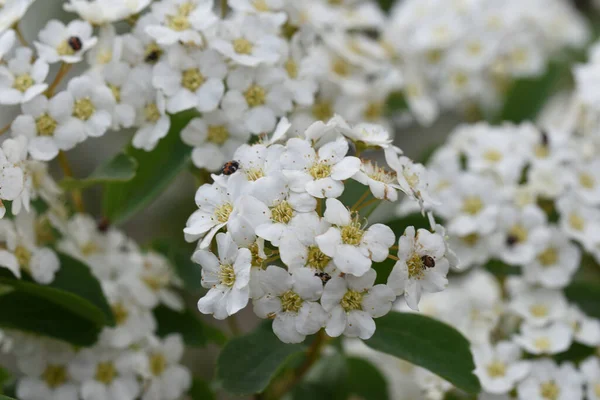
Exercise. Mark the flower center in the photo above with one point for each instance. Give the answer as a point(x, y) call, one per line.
point(472, 205)
point(322, 110)
point(597, 389)
point(378, 173)
point(542, 343)
point(83, 109)
point(105, 372)
point(470, 239)
point(152, 53)
point(548, 257)
point(153, 282)
point(45, 125)
point(352, 300)
point(316, 258)
point(89, 248)
point(116, 92)
point(416, 266)
point(374, 111)
point(291, 302)
point(120, 312)
point(260, 5)
point(541, 151)
point(179, 22)
point(242, 46)
point(538, 310)
point(217, 134)
point(254, 174)
point(226, 275)
point(496, 369)
point(23, 256)
point(518, 233)
point(151, 113)
point(222, 213)
point(549, 390)
point(55, 375)
point(320, 170)
point(352, 233)
point(492, 155)
point(282, 212)
point(23, 82)
point(340, 67)
point(158, 364)
point(255, 96)
point(576, 222)
point(586, 180)
point(192, 79)
point(411, 178)
point(292, 68)
point(64, 49)
point(257, 260)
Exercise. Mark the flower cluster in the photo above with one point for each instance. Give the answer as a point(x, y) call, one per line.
point(304, 257)
point(464, 54)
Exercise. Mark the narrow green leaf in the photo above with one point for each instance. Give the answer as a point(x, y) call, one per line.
point(428, 343)
point(247, 363)
point(194, 332)
point(156, 170)
point(3, 397)
point(120, 168)
point(29, 313)
point(201, 390)
point(5, 377)
point(586, 295)
point(365, 381)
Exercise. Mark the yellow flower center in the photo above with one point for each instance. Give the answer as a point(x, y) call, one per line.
point(474, 48)
point(151, 113)
point(320, 170)
point(226, 275)
point(519, 233)
point(586, 180)
point(105, 372)
point(352, 234)
point(549, 390)
point(541, 151)
point(158, 364)
point(152, 53)
point(340, 67)
point(222, 213)
point(23, 256)
point(282, 212)
point(64, 49)
point(291, 302)
point(576, 222)
point(292, 68)
point(316, 258)
point(120, 312)
point(374, 111)
point(242, 46)
point(180, 22)
point(496, 369)
point(55, 375)
point(492, 155)
point(104, 57)
point(460, 79)
point(434, 56)
point(217, 134)
point(45, 125)
point(154, 283)
point(89, 248)
point(379, 174)
point(254, 174)
point(542, 344)
point(548, 257)
point(192, 79)
point(322, 110)
point(352, 300)
point(83, 109)
point(472, 205)
point(255, 96)
point(23, 82)
point(519, 56)
point(415, 266)
point(538, 310)
point(470, 239)
point(260, 5)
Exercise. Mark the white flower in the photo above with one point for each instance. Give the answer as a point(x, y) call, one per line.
point(12, 11)
point(552, 339)
point(412, 177)
point(257, 96)
point(539, 307)
point(58, 42)
point(191, 79)
point(353, 302)
point(12, 177)
point(181, 21)
point(579, 221)
point(108, 48)
point(21, 79)
point(152, 120)
point(421, 267)
point(586, 330)
point(227, 277)
point(584, 180)
point(370, 135)
point(48, 125)
point(590, 371)
point(382, 183)
point(550, 381)
point(93, 105)
point(166, 379)
point(15, 150)
point(118, 76)
point(215, 137)
point(291, 300)
point(100, 12)
point(318, 172)
point(499, 367)
point(7, 41)
point(22, 250)
point(353, 248)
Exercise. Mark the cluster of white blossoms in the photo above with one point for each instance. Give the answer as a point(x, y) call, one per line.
point(464, 54)
point(527, 199)
point(305, 258)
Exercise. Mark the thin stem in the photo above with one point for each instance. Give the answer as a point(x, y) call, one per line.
point(5, 129)
point(394, 248)
point(320, 207)
point(361, 199)
point(20, 35)
point(392, 257)
point(234, 327)
point(366, 204)
point(63, 161)
point(62, 72)
point(224, 8)
point(271, 259)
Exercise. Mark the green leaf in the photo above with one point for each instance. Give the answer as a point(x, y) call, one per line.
point(5, 377)
point(194, 332)
point(247, 363)
point(201, 390)
point(189, 272)
point(586, 295)
point(428, 343)
point(156, 170)
point(365, 381)
point(74, 288)
point(120, 168)
point(29, 313)
point(500, 269)
point(2, 397)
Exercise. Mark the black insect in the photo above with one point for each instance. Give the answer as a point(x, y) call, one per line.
point(230, 167)
point(153, 56)
point(545, 139)
point(511, 240)
point(324, 276)
point(75, 43)
point(428, 261)
point(103, 224)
